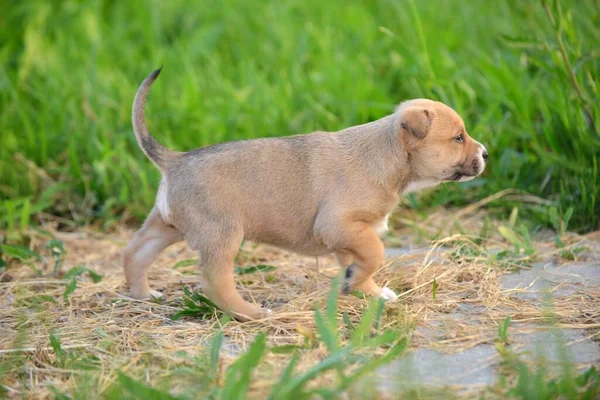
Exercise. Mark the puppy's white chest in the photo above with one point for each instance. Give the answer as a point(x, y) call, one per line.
point(382, 226)
point(162, 202)
point(416, 186)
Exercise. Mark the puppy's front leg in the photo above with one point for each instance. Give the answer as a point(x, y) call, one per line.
point(366, 250)
point(344, 258)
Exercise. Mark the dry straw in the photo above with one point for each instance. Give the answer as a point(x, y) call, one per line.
point(99, 319)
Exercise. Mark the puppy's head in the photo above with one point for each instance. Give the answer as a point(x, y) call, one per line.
point(437, 143)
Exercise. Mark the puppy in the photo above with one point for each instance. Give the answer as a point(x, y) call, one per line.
point(314, 194)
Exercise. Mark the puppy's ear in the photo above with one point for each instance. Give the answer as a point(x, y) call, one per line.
point(416, 120)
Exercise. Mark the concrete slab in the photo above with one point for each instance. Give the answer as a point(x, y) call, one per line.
point(473, 366)
point(476, 365)
point(547, 278)
point(556, 345)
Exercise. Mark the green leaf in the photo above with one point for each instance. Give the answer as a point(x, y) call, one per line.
point(374, 364)
point(327, 327)
point(347, 321)
point(254, 269)
point(567, 217)
point(196, 305)
point(525, 234)
point(71, 286)
point(553, 215)
point(296, 384)
point(510, 235)
point(523, 43)
point(57, 247)
point(503, 330)
point(96, 277)
point(80, 270)
point(44, 298)
point(224, 319)
point(358, 294)
point(75, 271)
point(385, 339)
point(215, 349)
point(185, 263)
point(332, 302)
point(286, 375)
point(22, 253)
point(56, 346)
point(139, 390)
point(326, 332)
point(238, 375)
point(435, 286)
point(363, 329)
point(58, 395)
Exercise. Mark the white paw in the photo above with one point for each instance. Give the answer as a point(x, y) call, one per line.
point(388, 294)
point(154, 294)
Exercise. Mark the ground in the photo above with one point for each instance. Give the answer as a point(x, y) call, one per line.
point(455, 295)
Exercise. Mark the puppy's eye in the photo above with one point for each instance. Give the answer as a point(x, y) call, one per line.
point(460, 138)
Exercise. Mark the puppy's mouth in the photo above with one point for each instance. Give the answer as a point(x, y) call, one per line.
point(460, 177)
point(456, 177)
point(466, 171)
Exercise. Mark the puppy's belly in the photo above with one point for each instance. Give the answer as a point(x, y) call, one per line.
point(299, 238)
point(162, 201)
point(307, 248)
point(302, 241)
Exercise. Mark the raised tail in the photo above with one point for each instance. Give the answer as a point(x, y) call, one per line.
point(156, 152)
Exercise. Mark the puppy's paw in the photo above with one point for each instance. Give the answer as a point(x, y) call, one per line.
point(252, 313)
point(151, 295)
point(388, 294)
point(154, 294)
point(264, 313)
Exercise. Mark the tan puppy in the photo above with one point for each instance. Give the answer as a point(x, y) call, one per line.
point(315, 194)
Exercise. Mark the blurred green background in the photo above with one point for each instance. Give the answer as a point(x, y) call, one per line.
point(523, 74)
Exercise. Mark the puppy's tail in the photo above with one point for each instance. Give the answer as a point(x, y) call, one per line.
point(156, 152)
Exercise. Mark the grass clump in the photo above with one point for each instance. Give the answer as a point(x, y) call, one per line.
point(246, 69)
point(524, 380)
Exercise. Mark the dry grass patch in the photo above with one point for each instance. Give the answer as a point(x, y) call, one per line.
point(451, 299)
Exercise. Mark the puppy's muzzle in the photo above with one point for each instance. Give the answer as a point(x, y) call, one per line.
point(473, 167)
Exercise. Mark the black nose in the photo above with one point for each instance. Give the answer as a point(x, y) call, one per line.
point(485, 155)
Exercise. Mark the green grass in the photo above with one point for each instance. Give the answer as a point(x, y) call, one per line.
point(246, 69)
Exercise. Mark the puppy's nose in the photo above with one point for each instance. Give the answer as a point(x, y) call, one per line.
point(485, 155)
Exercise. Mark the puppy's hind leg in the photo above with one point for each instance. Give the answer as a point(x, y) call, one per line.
point(147, 243)
point(218, 248)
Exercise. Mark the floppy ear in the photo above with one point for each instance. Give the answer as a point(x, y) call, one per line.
point(416, 120)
